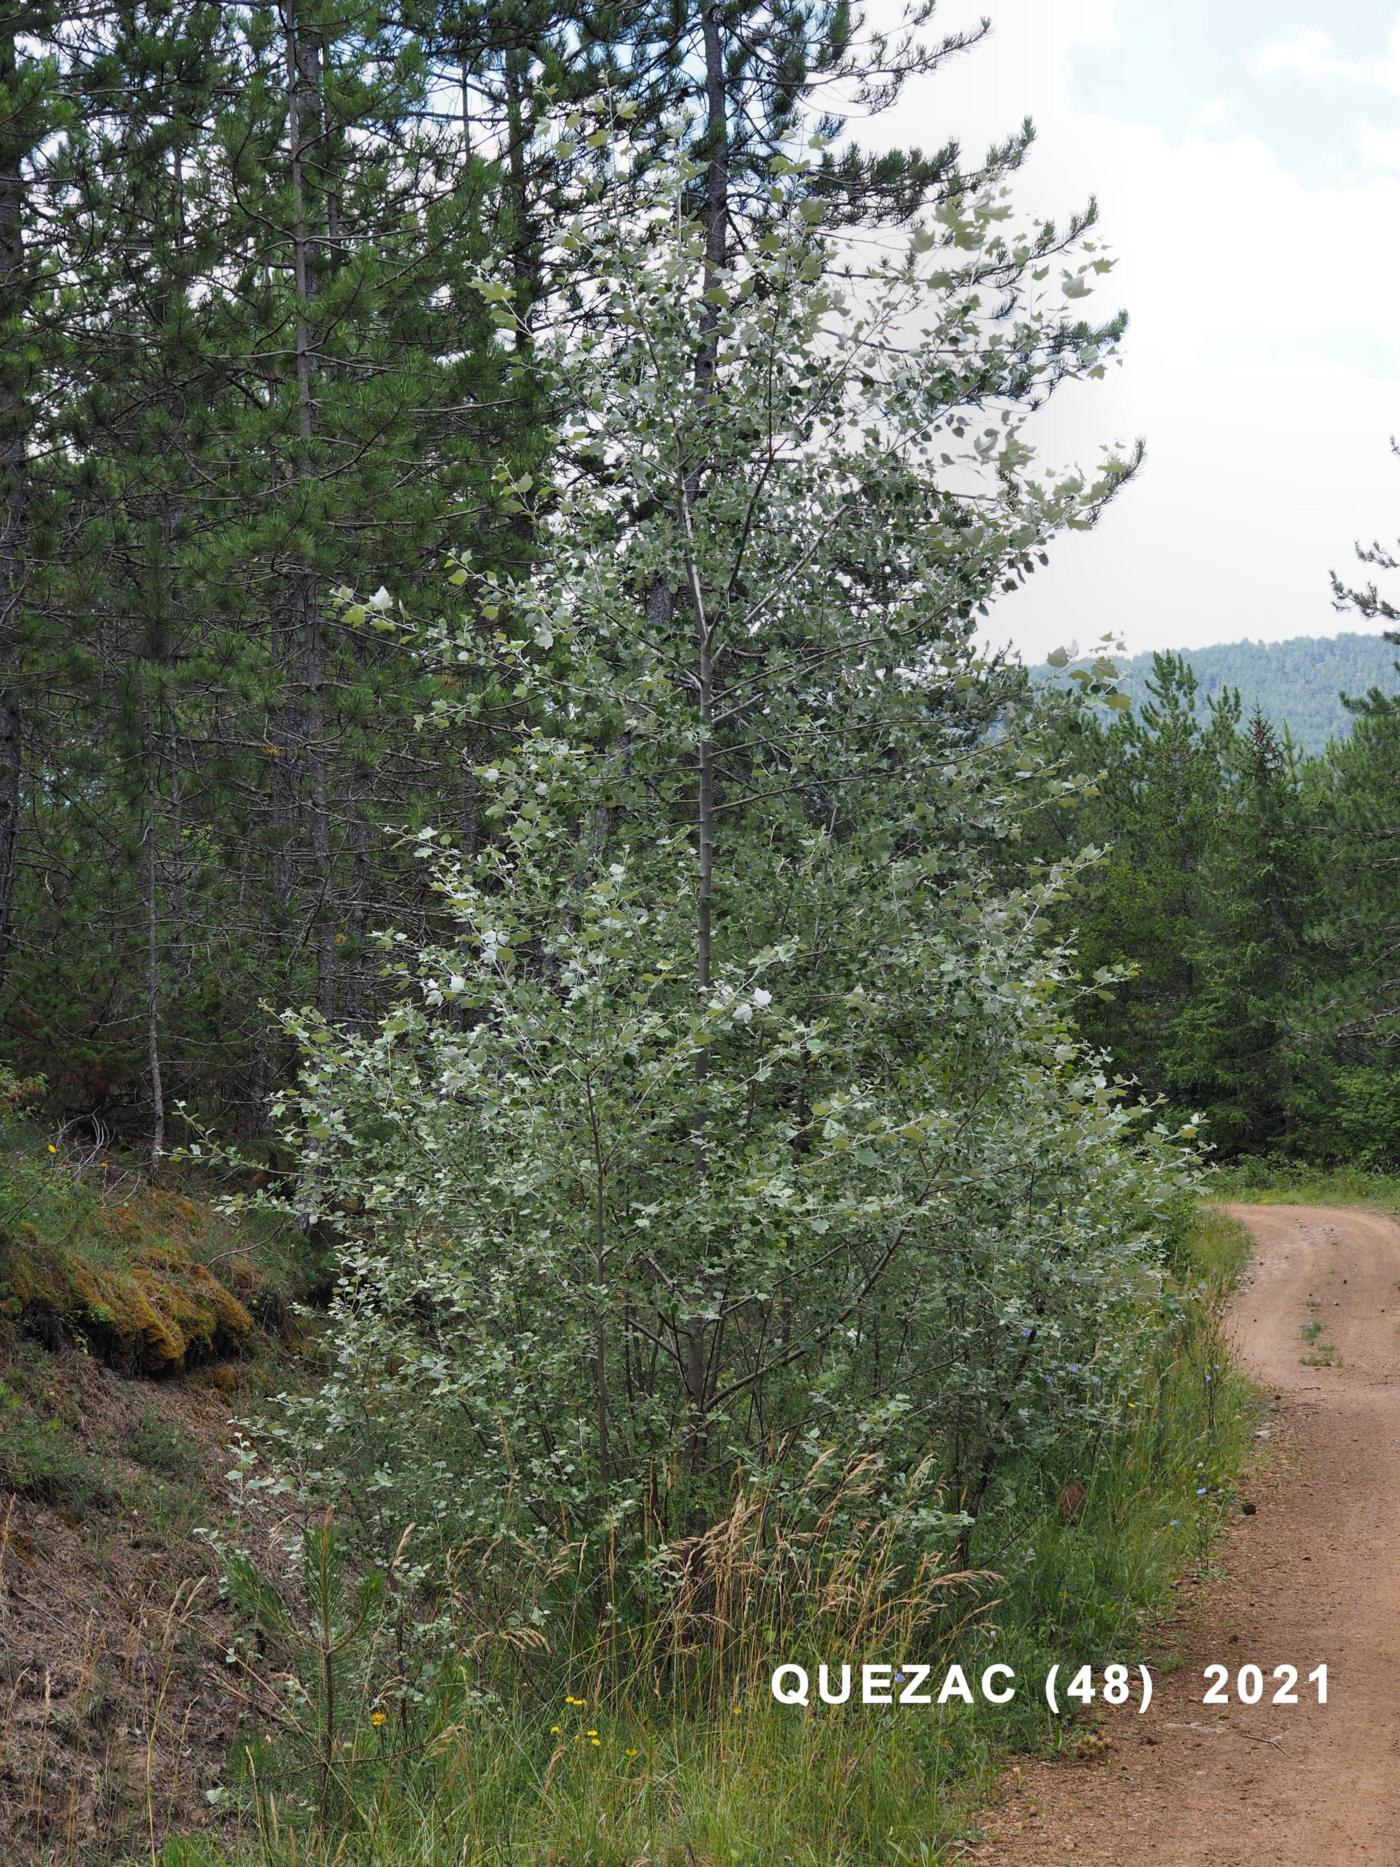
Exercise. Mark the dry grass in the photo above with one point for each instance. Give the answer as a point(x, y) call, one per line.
point(99, 1741)
point(114, 1716)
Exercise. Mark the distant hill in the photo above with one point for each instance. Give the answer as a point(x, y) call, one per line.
point(1297, 683)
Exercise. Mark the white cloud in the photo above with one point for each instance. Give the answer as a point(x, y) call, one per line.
point(1311, 53)
point(1213, 113)
point(1258, 360)
point(1377, 148)
point(1308, 53)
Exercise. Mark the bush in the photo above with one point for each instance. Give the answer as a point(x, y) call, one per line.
point(163, 1446)
point(664, 1740)
point(41, 1458)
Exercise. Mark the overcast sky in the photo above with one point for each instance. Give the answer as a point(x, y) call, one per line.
point(1246, 159)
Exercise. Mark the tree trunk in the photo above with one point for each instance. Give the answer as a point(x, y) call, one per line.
point(150, 889)
point(158, 731)
point(695, 1329)
point(357, 925)
point(13, 503)
point(716, 186)
point(523, 257)
point(304, 94)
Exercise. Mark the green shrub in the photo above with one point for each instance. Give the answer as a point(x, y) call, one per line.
point(42, 1459)
point(571, 1747)
point(163, 1446)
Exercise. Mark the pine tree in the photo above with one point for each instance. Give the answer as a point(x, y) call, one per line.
point(1358, 1111)
point(32, 115)
point(1368, 601)
point(1237, 1048)
point(276, 374)
point(1157, 808)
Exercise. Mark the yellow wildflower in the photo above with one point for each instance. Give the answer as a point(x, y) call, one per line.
point(377, 1719)
point(52, 1148)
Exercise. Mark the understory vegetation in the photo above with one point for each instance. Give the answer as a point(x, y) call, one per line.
point(151, 1279)
point(660, 1741)
point(1278, 1181)
point(327, 1757)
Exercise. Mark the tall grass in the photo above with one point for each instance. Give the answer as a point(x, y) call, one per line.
point(658, 1741)
point(78, 1783)
point(1082, 1583)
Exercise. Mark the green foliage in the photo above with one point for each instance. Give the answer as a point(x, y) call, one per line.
point(610, 1750)
point(260, 294)
point(249, 370)
point(738, 1235)
point(42, 1458)
point(1247, 895)
point(740, 1119)
point(327, 1639)
point(1274, 1180)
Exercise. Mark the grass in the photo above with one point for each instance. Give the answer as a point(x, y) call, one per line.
point(1088, 1584)
point(163, 1446)
point(86, 1778)
point(1274, 1181)
point(171, 1511)
point(528, 1758)
point(42, 1458)
point(1325, 1354)
point(53, 1452)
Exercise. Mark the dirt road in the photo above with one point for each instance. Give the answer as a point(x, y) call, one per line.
point(1312, 1576)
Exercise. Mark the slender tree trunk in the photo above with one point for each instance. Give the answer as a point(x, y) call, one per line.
point(158, 733)
point(600, 1275)
point(716, 252)
point(304, 93)
point(323, 863)
point(524, 260)
point(716, 187)
point(150, 889)
point(358, 918)
point(695, 1329)
point(13, 504)
point(11, 744)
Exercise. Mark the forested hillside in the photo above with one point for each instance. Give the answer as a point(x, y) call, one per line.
point(1297, 685)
